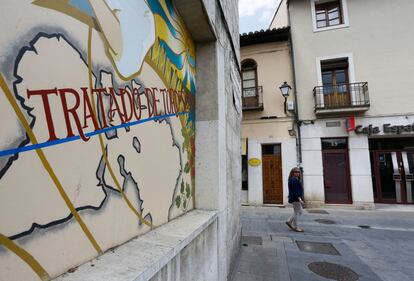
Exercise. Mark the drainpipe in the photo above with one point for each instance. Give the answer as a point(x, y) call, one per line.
point(297, 120)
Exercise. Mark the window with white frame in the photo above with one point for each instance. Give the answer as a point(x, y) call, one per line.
point(329, 14)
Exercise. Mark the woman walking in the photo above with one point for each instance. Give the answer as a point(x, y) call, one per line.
point(295, 198)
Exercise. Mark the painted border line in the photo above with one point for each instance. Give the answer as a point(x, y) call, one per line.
point(101, 141)
point(91, 134)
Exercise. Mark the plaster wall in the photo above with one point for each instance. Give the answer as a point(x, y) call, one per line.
point(273, 68)
point(380, 48)
point(165, 165)
point(98, 131)
point(359, 160)
point(313, 164)
point(255, 178)
point(281, 18)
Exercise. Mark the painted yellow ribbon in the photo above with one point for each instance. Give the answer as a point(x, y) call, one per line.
point(46, 163)
point(25, 256)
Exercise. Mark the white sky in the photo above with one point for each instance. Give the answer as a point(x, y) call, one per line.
point(256, 14)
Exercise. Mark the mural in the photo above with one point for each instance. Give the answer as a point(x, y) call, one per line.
point(97, 135)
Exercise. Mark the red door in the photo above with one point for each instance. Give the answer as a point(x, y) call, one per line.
point(336, 171)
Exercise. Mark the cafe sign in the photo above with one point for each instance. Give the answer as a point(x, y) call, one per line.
point(385, 128)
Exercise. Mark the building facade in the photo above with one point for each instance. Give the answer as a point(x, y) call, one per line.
point(354, 70)
point(268, 127)
point(103, 105)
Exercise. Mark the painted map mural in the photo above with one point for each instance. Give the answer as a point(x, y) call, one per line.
point(97, 134)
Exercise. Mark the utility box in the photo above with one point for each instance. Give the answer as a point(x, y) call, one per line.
point(290, 106)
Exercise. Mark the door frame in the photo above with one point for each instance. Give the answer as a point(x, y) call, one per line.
point(348, 177)
point(281, 170)
point(403, 190)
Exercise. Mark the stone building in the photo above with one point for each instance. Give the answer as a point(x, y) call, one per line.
point(120, 140)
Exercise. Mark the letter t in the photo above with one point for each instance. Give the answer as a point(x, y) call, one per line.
point(44, 94)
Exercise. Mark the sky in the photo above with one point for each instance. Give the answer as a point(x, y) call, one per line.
point(256, 14)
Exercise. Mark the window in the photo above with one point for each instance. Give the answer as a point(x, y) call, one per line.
point(271, 149)
point(335, 143)
point(329, 14)
point(335, 74)
point(251, 92)
point(335, 81)
point(249, 77)
point(245, 179)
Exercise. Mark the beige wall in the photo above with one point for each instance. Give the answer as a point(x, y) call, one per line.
point(266, 130)
point(69, 200)
point(281, 18)
point(379, 37)
point(273, 68)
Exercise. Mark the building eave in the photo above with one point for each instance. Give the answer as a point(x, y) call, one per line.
point(265, 36)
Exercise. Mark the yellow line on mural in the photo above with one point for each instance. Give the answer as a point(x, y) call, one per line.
point(104, 153)
point(25, 256)
point(46, 163)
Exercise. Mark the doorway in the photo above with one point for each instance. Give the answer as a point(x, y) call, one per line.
point(393, 176)
point(392, 166)
point(272, 174)
point(336, 171)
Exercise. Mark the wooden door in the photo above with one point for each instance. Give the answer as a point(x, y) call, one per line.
point(272, 179)
point(336, 88)
point(336, 177)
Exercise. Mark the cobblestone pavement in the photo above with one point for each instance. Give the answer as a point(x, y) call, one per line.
point(338, 244)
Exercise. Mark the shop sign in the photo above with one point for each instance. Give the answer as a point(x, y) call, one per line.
point(386, 129)
point(254, 162)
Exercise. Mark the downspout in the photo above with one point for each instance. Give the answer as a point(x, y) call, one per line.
point(297, 120)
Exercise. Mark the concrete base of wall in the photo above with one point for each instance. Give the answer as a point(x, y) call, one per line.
point(355, 205)
point(185, 249)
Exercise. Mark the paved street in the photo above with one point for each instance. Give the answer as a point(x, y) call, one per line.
point(342, 244)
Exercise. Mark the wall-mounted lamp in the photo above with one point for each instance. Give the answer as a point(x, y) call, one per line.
point(284, 89)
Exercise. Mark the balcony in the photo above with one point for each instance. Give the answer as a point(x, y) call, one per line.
point(252, 98)
point(341, 98)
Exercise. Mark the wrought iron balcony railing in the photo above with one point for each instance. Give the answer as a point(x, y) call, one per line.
point(342, 96)
point(252, 98)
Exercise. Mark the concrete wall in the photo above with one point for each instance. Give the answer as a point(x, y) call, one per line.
point(121, 182)
point(219, 114)
point(196, 262)
point(184, 249)
point(380, 49)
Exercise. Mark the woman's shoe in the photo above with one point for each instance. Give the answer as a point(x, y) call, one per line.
point(290, 226)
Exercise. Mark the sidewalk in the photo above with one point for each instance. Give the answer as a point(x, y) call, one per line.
point(337, 244)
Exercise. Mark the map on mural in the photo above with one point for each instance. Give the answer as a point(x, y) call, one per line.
point(97, 123)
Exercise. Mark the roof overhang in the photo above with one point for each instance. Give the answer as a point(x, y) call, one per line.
point(265, 36)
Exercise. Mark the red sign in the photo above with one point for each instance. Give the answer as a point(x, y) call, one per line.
point(350, 124)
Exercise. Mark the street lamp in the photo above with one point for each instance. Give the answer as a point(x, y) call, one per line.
point(284, 89)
